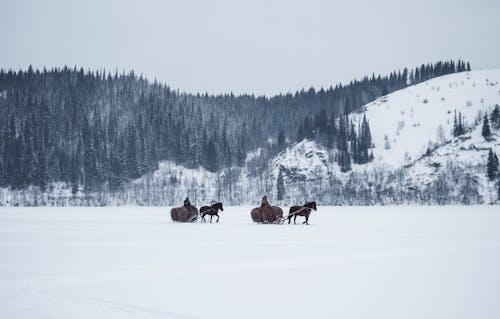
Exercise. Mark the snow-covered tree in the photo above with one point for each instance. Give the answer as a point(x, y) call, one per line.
point(486, 132)
point(495, 117)
point(492, 165)
point(280, 186)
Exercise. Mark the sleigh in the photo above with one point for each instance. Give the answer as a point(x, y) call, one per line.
point(267, 215)
point(184, 214)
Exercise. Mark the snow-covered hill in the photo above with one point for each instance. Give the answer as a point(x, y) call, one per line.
point(405, 122)
point(413, 146)
point(416, 160)
point(305, 160)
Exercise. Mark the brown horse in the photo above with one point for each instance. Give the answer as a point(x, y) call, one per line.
point(301, 211)
point(184, 214)
point(211, 210)
point(267, 214)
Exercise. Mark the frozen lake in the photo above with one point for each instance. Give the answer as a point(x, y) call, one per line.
point(351, 262)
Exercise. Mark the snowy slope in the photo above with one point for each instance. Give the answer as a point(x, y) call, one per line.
point(404, 125)
point(351, 262)
point(301, 161)
point(469, 151)
point(411, 117)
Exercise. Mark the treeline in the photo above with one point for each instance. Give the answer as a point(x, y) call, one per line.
point(97, 129)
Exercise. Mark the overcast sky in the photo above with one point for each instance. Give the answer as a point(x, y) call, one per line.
point(257, 46)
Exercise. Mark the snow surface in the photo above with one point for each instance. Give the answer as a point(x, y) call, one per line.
point(351, 262)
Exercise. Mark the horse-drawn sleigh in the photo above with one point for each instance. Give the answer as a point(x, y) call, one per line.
point(267, 214)
point(189, 213)
point(264, 214)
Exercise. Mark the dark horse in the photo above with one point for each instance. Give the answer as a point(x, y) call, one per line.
point(267, 214)
point(184, 214)
point(211, 210)
point(301, 211)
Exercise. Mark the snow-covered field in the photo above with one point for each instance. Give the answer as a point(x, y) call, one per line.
point(351, 262)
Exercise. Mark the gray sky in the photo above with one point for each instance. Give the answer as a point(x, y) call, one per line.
point(257, 46)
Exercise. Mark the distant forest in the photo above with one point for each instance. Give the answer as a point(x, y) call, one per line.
point(95, 128)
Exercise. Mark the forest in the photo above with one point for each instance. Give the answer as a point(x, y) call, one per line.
point(98, 130)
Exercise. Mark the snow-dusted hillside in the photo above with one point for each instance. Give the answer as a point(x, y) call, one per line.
point(305, 160)
point(413, 145)
point(410, 118)
point(470, 152)
point(405, 126)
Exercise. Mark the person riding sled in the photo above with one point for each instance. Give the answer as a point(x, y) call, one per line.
point(187, 203)
point(264, 202)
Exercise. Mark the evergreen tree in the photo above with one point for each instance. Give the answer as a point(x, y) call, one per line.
point(492, 165)
point(469, 190)
point(364, 143)
point(344, 158)
point(486, 132)
point(212, 160)
point(455, 125)
point(498, 188)
point(281, 140)
point(458, 126)
point(300, 133)
point(495, 117)
point(280, 186)
point(131, 166)
point(461, 128)
point(308, 128)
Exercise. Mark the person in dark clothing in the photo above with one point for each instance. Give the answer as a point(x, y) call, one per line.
point(264, 201)
point(187, 203)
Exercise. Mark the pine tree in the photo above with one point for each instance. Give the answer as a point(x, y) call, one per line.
point(280, 186)
point(469, 190)
point(332, 132)
point(343, 148)
point(461, 128)
point(492, 165)
point(240, 152)
point(308, 128)
point(498, 188)
point(364, 143)
point(212, 160)
point(455, 125)
point(458, 126)
point(281, 140)
point(495, 117)
point(300, 133)
point(132, 166)
point(486, 132)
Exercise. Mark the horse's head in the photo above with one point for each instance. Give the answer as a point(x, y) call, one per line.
point(218, 206)
point(311, 205)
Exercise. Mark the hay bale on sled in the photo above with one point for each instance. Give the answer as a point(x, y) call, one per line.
point(184, 215)
point(267, 214)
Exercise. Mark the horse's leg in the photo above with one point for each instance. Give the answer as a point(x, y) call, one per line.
point(203, 217)
point(289, 218)
point(294, 218)
point(217, 217)
point(307, 218)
